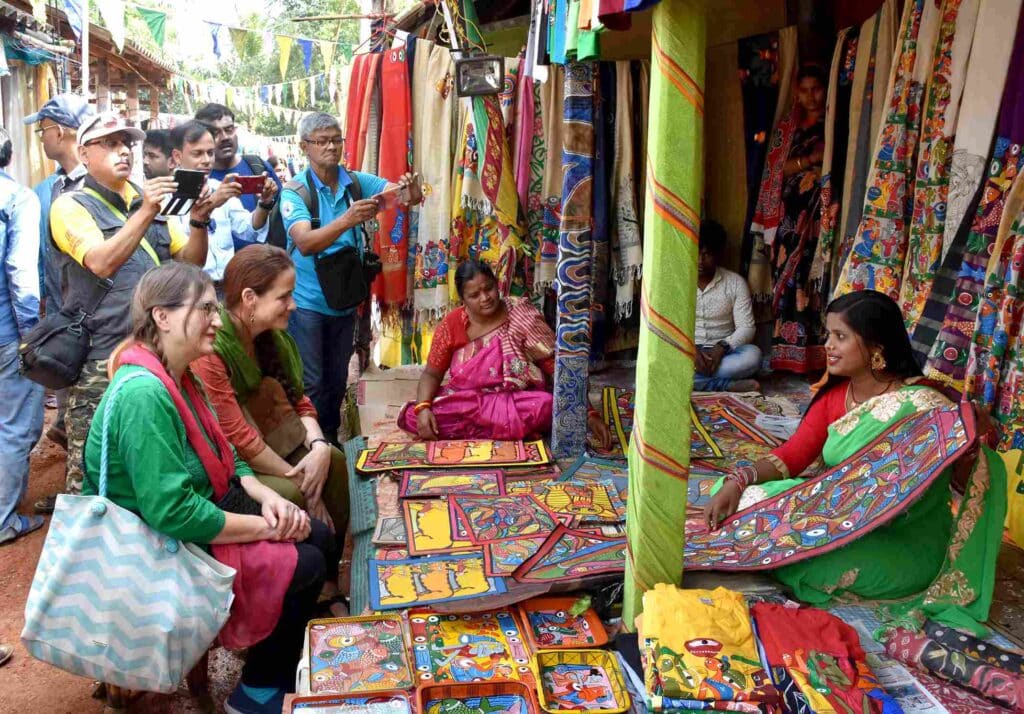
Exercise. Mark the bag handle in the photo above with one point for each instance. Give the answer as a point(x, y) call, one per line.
point(107, 409)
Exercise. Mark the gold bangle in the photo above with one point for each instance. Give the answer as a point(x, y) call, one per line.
point(421, 406)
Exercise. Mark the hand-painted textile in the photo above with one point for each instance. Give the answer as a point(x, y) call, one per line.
point(358, 654)
point(876, 258)
point(626, 245)
point(569, 554)
point(495, 518)
point(569, 427)
point(402, 583)
point(699, 645)
point(975, 647)
point(916, 649)
point(821, 655)
point(941, 110)
point(389, 456)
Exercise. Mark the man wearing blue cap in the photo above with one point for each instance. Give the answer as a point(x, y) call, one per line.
point(58, 121)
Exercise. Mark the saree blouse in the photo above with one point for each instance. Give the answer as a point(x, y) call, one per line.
point(526, 329)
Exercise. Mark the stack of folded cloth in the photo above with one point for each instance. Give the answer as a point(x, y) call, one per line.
point(699, 653)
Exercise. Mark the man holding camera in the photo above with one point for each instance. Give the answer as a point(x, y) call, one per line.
point(324, 333)
point(109, 233)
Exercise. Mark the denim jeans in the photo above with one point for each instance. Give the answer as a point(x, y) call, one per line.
point(742, 362)
point(21, 423)
point(325, 343)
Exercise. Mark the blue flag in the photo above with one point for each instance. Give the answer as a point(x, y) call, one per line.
point(73, 9)
point(214, 33)
point(307, 54)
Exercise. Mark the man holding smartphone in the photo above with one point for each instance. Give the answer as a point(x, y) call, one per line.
point(109, 233)
point(230, 223)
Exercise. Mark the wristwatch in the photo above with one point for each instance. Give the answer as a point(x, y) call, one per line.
point(267, 206)
point(199, 224)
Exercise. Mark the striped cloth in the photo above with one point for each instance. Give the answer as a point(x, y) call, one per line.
point(658, 457)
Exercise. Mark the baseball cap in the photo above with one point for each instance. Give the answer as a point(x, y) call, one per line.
point(68, 110)
point(105, 124)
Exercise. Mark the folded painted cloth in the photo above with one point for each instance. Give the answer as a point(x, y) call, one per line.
point(699, 645)
point(975, 647)
point(816, 661)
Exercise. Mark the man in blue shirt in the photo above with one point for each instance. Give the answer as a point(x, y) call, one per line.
point(21, 409)
point(325, 335)
point(226, 159)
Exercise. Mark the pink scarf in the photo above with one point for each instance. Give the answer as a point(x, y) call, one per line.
point(263, 569)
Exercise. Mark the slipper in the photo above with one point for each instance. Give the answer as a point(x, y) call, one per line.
point(26, 524)
point(45, 505)
point(5, 654)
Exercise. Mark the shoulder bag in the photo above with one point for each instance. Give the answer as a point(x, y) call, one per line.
point(114, 600)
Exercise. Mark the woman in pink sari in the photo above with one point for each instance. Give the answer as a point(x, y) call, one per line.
point(499, 356)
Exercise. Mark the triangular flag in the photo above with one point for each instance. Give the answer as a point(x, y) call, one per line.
point(307, 54)
point(265, 94)
point(312, 90)
point(229, 96)
point(214, 32)
point(156, 21)
point(238, 36)
point(268, 42)
point(284, 47)
point(73, 10)
point(327, 50)
point(347, 51)
point(300, 93)
point(112, 12)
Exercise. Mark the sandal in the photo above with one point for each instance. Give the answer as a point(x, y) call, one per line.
point(5, 654)
point(26, 524)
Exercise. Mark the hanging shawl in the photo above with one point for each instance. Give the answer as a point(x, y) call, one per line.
point(986, 77)
point(626, 239)
point(433, 105)
point(370, 139)
point(507, 96)
point(391, 287)
point(769, 212)
point(876, 258)
point(355, 118)
point(485, 206)
point(528, 153)
point(264, 569)
point(550, 195)
point(244, 372)
point(942, 107)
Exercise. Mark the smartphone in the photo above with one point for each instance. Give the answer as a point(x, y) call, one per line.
point(386, 200)
point(190, 187)
point(251, 184)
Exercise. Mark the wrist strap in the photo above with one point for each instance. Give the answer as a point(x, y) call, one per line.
point(318, 440)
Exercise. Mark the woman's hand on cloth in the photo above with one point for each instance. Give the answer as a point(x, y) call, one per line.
point(312, 471)
point(288, 521)
point(426, 425)
point(318, 510)
point(602, 435)
point(722, 505)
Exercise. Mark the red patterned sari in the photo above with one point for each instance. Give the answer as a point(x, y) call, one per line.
point(496, 385)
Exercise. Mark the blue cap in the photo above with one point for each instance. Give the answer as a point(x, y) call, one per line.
point(68, 110)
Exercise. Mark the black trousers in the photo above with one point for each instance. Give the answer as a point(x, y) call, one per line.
point(272, 662)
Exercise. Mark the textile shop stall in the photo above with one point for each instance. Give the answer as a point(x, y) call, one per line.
point(453, 533)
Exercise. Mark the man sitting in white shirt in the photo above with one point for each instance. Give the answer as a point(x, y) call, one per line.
point(231, 225)
point(725, 321)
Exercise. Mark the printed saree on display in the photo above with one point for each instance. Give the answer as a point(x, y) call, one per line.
point(876, 257)
point(837, 534)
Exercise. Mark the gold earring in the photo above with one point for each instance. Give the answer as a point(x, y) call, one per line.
point(252, 319)
point(878, 362)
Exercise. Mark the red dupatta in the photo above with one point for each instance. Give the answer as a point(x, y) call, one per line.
point(263, 569)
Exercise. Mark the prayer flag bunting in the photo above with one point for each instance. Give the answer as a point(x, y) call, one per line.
point(238, 39)
point(155, 20)
point(307, 54)
point(327, 50)
point(73, 10)
point(214, 32)
point(112, 12)
point(284, 46)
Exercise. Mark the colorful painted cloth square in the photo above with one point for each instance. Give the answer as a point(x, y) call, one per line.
point(589, 468)
point(578, 501)
point(390, 456)
point(552, 623)
point(443, 482)
point(573, 680)
point(479, 698)
point(383, 703)
point(699, 645)
point(569, 554)
point(431, 529)
point(358, 654)
point(474, 647)
point(503, 557)
point(404, 583)
point(496, 518)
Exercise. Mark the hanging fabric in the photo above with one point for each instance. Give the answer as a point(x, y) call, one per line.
point(833, 168)
point(995, 367)
point(604, 130)
point(433, 103)
point(354, 131)
point(372, 121)
point(626, 239)
point(986, 77)
point(390, 287)
point(955, 303)
point(552, 101)
point(868, 94)
point(876, 258)
point(941, 110)
point(528, 154)
point(572, 333)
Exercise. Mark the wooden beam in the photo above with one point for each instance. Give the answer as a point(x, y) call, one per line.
point(102, 85)
point(154, 104)
point(132, 99)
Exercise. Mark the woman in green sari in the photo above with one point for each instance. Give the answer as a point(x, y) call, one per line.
point(929, 561)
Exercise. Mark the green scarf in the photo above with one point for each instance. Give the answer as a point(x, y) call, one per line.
point(243, 370)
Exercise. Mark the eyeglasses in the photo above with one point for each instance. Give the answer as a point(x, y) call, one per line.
point(225, 131)
point(209, 308)
point(321, 143)
point(43, 129)
point(112, 143)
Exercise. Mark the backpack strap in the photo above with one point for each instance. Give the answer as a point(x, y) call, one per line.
point(307, 194)
point(255, 162)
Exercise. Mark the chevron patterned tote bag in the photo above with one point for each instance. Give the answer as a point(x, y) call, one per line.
point(114, 600)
